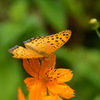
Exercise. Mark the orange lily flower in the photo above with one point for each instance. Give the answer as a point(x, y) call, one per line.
point(47, 83)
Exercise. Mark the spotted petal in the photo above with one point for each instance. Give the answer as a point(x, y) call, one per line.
point(63, 75)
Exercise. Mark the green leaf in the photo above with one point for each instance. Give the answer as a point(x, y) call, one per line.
point(77, 10)
point(53, 12)
point(10, 79)
point(11, 32)
point(18, 10)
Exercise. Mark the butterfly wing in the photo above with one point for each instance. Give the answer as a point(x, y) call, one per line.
point(54, 42)
point(23, 53)
point(48, 44)
point(36, 44)
point(41, 46)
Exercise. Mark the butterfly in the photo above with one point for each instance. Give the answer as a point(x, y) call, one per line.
point(39, 47)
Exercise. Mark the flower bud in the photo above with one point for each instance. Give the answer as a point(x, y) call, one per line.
point(94, 24)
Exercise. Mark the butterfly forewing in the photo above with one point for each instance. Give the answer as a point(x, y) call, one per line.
point(55, 41)
point(48, 44)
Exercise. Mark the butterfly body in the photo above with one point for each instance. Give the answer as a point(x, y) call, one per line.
point(41, 46)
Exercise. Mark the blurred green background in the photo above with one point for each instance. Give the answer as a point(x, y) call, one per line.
point(23, 19)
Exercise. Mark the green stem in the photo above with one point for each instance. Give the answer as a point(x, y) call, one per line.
point(97, 32)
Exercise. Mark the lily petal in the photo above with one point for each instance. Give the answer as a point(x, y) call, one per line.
point(67, 93)
point(31, 66)
point(63, 75)
point(20, 95)
point(37, 91)
point(55, 88)
point(62, 90)
point(47, 64)
point(30, 81)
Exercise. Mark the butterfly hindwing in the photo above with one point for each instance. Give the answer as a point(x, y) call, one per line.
point(23, 53)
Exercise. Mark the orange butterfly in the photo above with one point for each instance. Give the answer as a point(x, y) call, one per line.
point(39, 47)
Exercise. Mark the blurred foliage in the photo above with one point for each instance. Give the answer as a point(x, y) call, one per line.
point(23, 19)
